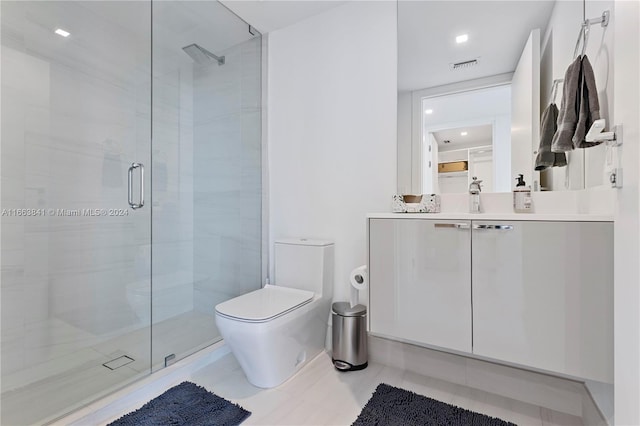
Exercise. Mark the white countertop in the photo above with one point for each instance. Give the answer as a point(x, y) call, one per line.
point(589, 205)
point(555, 217)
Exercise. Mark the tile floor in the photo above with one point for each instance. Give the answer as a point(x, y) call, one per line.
point(320, 395)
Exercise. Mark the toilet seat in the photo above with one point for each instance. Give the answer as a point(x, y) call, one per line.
point(265, 304)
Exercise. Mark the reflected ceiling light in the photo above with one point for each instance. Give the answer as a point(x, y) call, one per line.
point(62, 32)
point(463, 133)
point(428, 111)
point(462, 38)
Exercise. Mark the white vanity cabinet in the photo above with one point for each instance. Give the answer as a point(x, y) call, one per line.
point(419, 275)
point(537, 294)
point(543, 295)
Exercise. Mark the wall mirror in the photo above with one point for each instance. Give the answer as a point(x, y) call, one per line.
point(473, 80)
point(463, 135)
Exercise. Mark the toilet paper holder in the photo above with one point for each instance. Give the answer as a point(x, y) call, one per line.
point(358, 280)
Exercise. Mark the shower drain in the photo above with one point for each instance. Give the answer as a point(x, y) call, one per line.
point(116, 363)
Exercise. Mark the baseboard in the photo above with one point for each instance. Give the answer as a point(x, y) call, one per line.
point(555, 393)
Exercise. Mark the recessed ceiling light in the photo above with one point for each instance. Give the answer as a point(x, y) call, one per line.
point(463, 133)
point(462, 38)
point(62, 32)
point(428, 111)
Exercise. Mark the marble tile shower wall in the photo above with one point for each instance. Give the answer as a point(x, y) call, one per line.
point(75, 114)
point(227, 176)
point(172, 166)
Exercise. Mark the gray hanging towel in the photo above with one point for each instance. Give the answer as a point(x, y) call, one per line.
point(569, 108)
point(548, 126)
point(589, 105)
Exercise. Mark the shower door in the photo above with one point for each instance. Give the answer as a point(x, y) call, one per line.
point(75, 225)
point(131, 186)
point(207, 174)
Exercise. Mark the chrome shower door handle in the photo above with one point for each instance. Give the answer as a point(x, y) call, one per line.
point(130, 182)
point(497, 227)
point(141, 185)
point(130, 185)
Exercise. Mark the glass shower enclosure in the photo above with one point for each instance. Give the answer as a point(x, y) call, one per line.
point(130, 190)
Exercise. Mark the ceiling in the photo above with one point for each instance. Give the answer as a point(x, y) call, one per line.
point(476, 136)
point(426, 29)
point(177, 24)
point(270, 15)
point(119, 32)
point(497, 30)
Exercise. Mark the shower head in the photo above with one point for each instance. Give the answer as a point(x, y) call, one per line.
point(201, 55)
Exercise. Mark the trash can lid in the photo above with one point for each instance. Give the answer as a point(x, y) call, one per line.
point(344, 309)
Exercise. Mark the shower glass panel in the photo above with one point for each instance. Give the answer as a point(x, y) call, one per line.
point(98, 287)
point(76, 96)
point(207, 174)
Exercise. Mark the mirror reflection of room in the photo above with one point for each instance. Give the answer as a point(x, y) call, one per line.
point(449, 50)
point(467, 135)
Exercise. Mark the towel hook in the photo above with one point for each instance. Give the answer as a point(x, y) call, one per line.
point(587, 30)
point(554, 89)
point(580, 37)
point(584, 36)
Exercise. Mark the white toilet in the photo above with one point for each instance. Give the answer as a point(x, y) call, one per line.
point(274, 331)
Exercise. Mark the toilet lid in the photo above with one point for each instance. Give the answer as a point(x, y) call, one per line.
point(264, 304)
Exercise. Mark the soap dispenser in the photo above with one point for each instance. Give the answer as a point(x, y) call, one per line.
point(474, 195)
point(521, 196)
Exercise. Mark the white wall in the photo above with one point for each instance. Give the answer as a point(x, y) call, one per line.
point(332, 128)
point(626, 66)
point(404, 142)
point(503, 176)
point(525, 111)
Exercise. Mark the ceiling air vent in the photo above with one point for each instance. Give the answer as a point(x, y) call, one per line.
point(464, 64)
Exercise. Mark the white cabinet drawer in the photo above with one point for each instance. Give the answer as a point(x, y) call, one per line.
point(420, 272)
point(543, 295)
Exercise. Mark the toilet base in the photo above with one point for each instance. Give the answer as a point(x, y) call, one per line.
point(273, 351)
point(345, 366)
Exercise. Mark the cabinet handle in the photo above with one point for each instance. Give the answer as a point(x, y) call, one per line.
point(452, 225)
point(499, 227)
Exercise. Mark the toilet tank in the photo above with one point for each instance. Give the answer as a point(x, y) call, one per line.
point(305, 264)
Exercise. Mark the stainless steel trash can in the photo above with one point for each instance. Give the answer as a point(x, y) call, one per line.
point(349, 336)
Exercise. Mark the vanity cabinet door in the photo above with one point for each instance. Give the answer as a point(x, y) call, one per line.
point(543, 295)
point(419, 276)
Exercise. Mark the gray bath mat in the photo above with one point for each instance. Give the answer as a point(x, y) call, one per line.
point(185, 404)
point(390, 406)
